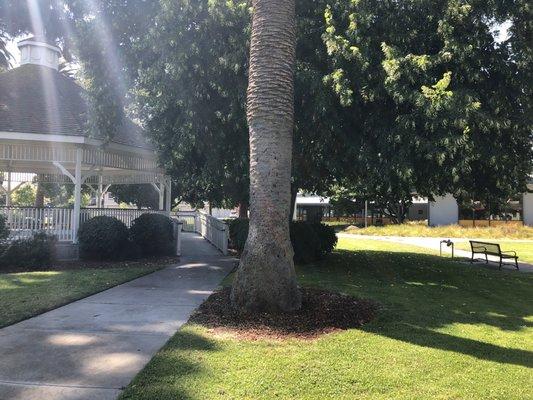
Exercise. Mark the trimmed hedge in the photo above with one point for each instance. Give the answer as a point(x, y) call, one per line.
point(153, 234)
point(103, 238)
point(35, 252)
point(238, 233)
point(304, 241)
point(327, 239)
point(310, 241)
point(4, 230)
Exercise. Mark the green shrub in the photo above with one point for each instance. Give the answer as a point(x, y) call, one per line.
point(327, 239)
point(304, 241)
point(153, 234)
point(4, 230)
point(102, 238)
point(238, 233)
point(35, 252)
point(310, 241)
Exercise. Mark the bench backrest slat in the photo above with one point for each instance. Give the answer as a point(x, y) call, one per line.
point(485, 247)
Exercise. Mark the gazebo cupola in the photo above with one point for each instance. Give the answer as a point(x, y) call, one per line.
point(38, 52)
point(44, 138)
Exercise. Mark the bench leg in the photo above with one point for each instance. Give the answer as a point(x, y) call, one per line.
point(516, 263)
point(500, 267)
point(486, 258)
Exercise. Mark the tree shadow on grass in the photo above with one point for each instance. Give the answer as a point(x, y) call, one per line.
point(422, 293)
point(161, 378)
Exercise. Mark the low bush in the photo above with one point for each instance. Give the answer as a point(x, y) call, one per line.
point(103, 238)
point(4, 230)
point(238, 233)
point(153, 234)
point(305, 242)
point(35, 252)
point(327, 239)
point(310, 241)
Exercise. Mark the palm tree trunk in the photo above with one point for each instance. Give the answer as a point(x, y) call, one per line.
point(265, 279)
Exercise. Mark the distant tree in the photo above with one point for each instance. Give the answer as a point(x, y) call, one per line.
point(142, 195)
point(24, 195)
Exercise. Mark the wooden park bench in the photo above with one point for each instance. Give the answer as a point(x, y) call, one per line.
point(492, 249)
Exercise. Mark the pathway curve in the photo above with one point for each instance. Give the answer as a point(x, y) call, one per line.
point(92, 348)
point(434, 244)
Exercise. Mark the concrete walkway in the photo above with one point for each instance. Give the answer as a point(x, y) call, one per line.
point(434, 244)
point(90, 349)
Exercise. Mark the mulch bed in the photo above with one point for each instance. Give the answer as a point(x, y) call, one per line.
point(322, 312)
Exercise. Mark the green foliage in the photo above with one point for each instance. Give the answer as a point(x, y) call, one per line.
point(4, 229)
point(327, 239)
point(439, 103)
point(24, 195)
point(103, 238)
point(305, 242)
point(310, 241)
point(153, 234)
point(191, 93)
point(142, 195)
point(238, 232)
point(35, 252)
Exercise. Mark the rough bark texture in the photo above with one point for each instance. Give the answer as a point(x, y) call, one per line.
point(265, 279)
point(243, 211)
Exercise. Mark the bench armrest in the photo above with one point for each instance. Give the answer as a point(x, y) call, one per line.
point(507, 252)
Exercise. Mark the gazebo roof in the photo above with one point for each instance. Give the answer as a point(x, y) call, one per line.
point(38, 99)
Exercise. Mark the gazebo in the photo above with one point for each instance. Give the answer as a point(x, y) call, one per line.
point(43, 138)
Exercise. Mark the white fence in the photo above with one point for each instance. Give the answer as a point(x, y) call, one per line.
point(188, 219)
point(125, 215)
point(23, 222)
point(212, 229)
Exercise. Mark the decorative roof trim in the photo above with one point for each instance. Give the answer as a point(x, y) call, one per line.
point(73, 139)
point(26, 42)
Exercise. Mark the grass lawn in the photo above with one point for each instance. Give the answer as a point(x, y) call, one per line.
point(446, 331)
point(449, 231)
point(25, 294)
point(524, 250)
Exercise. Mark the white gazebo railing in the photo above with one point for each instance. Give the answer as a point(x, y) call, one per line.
point(212, 229)
point(122, 214)
point(23, 222)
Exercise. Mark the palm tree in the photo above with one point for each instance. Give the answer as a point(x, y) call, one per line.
point(265, 279)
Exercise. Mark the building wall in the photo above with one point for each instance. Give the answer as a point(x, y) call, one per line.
point(418, 212)
point(527, 209)
point(443, 211)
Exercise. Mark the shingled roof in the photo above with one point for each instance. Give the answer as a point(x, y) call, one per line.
point(38, 99)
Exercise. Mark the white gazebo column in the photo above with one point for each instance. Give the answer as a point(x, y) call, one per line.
point(527, 208)
point(8, 191)
point(77, 196)
point(161, 192)
point(443, 211)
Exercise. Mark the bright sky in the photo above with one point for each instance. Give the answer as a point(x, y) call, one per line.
point(13, 49)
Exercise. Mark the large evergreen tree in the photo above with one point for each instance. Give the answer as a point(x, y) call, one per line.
point(440, 104)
